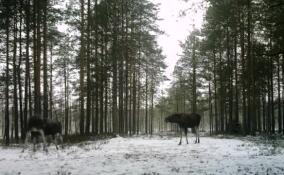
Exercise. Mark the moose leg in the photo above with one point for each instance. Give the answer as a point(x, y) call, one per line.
point(55, 141)
point(180, 136)
point(60, 139)
point(43, 139)
point(195, 128)
point(185, 132)
point(28, 134)
point(34, 144)
point(198, 135)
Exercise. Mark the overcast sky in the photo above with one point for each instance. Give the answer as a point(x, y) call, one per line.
point(177, 27)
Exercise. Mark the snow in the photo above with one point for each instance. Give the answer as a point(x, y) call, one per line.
point(148, 155)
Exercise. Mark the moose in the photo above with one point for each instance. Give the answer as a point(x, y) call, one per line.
point(44, 128)
point(185, 121)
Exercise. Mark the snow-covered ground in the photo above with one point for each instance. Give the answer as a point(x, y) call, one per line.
point(145, 155)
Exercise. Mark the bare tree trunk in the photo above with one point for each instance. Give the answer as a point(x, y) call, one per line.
point(114, 71)
point(244, 94)
point(268, 122)
point(27, 66)
point(134, 122)
point(88, 108)
point(152, 105)
point(230, 81)
point(221, 96)
point(101, 99)
point(210, 109)
point(15, 92)
point(279, 97)
point(106, 107)
point(264, 112)
point(50, 84)
point(37, 57)
point(215, 93)
point(66, 98)
point(82, 71)
point(7, 120)
point(146, 101)
point(236, 81)
point(45, 84)
point(194, 96)
point(96, 73)
point(272, 127)
point(282, 93)
point(19, 74)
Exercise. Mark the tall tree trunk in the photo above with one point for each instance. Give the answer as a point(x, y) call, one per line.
point(236, 81)
point(105, 81)
point(283, 93)
point(88, 107)
point(152, 105)
point(106, 128)
point(19, 74)
point(101, 97)
point(45, 84)
point(279, 97)
point(210, 108)
point(126, 92)
point(66, 97)
point(37, 57)
point(251, 62)
point(215, 93)
point(7, 120)
point(259, 113)
point(272, 99)
point(97, 72)
point(194, 95)
point(146, 101)
point(27, 66)
point(82, 70)
point(101, 88)
point(268, 122)
point(221, 96)
point(114, 71)
point(230, 81)
point(126, 59)
point(244, 94)
point(120, 96)
point(93, 111)
point(264, 112)
point(15, 93)
point(272, 91)
point(134, 122)
point(50, 83)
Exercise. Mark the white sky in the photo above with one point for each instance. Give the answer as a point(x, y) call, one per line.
point(176, 28)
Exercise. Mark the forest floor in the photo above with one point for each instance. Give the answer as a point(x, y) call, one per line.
point(149, 155)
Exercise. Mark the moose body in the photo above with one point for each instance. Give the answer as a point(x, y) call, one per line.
point(53, 129)
point(37, 127)
point(185, 121)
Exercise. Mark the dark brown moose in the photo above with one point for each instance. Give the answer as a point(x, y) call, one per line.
point(42, 128)
point(185, 120)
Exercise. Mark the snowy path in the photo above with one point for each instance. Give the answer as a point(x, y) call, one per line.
point(140, 155)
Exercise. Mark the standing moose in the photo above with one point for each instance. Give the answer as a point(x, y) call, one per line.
point(38, 127)
point(185, 121)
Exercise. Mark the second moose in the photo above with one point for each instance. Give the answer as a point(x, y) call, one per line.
point(185, 121)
